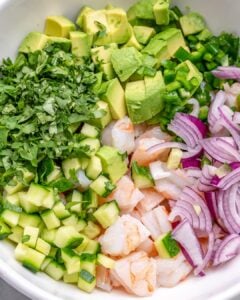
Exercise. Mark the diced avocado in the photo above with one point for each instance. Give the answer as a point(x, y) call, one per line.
point(97, 85)
point(193, 74)
point(133, 42)
point(161, 12)
point(141, 176)
point(104, 120)
point(108, 71)
point(192, 23)
point(148, 68)
point(82, 12)
point(166, 246)
point(114, 96)
point(126, 61)
point(60, 42)
point(5, 231)
point(118, 25)
point(80, 43)
point(107, 214)
point(33, 41)
point(95, 24)
point(58, 26)
point(158, 49)
point(174, 159)
point(102, 54)
point(174, 39)
point(113, 163)
point(144, 98)
point(143, 33)
point(143, 9)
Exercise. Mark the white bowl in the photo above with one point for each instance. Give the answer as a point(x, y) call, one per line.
point(17, 18)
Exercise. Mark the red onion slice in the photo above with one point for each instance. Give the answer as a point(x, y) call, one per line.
point(228, 72)
point(196, 107)
point(230, 179)
point(166, 145)
point(214, 114)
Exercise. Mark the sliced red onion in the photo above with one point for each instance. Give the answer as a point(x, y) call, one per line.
point(196, 107)
point(221, 149)
point(228, 72)
point(227, 250)
point(236, 117)
point(208, 256)
point(191, 163)
point(166, 145)
point(215, 180)
point(214, 114)
point(193, 153)
point(230, 179)
point(205, 181)
point(235, 165)
point(186, 237)
point(83, 180)
point(211, 201)
point(194, 172)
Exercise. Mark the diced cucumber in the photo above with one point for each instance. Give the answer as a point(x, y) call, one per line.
point(45, 263)
point(166, 246)
point(30, 236)
point(107, 214)
point(71, 165)
point(71, 278)
point(13, 199)
point(5, 231)
point(89, 266)
point(29, 220)
point(92, 145)
point(90, 199)
point(83, 245)
point(53, 252)
point(94, 168)
point(75, 207)
point(60, 210)
point(67, 254)
point(50, 219)
point(30, 258)
point(36, 194)
point(73, 265)
point(86, 281)
point(92, 230)
point(49, 235)
point(54, 175)
point(141, 176)
point(106, 118)
point(93, 247)
point(11, 218)
point(102, 186)
point(55, 270)
point(26, 204)
point(71, 221)
point(76, 196)
point(105, 261)
point(174, 159)
point(48, 202)
point(15, 186)
point(43, 247)
point(90, 131)
point(67, 236)
point(81, 224)
point(16, 235)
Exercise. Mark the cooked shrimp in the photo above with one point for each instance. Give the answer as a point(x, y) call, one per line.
point(126, 195)
point(171, 271)
point(136, 273)
point(156, 221)
point(143, 158)
point(139, 129)
point(148, 247)
point(103, 279)
point(154, 132)
point(120, 135)
point(151, 200)
point(124, 236)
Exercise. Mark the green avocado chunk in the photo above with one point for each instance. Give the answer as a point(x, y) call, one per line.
point(32, 42)
point(133, 42)
point(102, 54)
point(144, 97)
point(192, 23)
point(158, 49)
point(126, 61)
point(161, 12)
point(62, 43)
point(113, 163)
point(143, 33)
point(58, 26)
point(80, 43)
point(143, 9)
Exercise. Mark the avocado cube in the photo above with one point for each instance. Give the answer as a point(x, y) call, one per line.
point(118, 25)
point(133, 42)
point(102, 54)
point(143, 33)
point(108, 71)
point(158, 49)
point(143, 9)
point(161, 12)
point(82, 12)
point(32, 42)
point(58, 26)
point(125, 62)
point(63, 43)
point(113, 163)
point(104, 120)
point(80, 43)
point(192, 23)
point(114, 96)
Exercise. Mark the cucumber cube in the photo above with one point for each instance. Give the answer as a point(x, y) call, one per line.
point(43, 246)
point(16, 235)
point(102, 186)
point(50, 219)
point(10, 217)
point(92, 230)
point(94, 168)
point(107, 214)
point(30, 236)
point(5, 231)
point(67, 236)
point(55, 270)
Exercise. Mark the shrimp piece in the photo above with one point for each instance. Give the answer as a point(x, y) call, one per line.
point(151, 200)
point(143, 158)
point(136, 214)
point(154, 132)
point(120, 135)
point(139, 129)
point(115, 283)
point(103, 279)
point(171, 271)
point(156, 221)
point(124, 236)
point(126, 195)
point(136, 273)
point(148, 247)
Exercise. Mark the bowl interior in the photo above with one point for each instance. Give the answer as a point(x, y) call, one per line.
point(17, 18)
